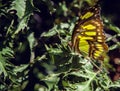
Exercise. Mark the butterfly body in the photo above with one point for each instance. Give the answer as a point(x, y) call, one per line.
point(88, 37)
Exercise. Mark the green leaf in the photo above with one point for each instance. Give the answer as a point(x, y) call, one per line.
point(115, 46)
point(22, 24)
point(51, 81)
point(2, 66)
point(32, 40)
point(5, 55)
point(85, 86)
point(53, 51)
point(113, 38)
point(20, 68)
point(23, 11)
point(114, 28)
point(32, 44)
point(7, 52)
point(50, 33)
point(19, 6)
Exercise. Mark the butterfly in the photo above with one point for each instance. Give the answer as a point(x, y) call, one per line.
point(88, 37)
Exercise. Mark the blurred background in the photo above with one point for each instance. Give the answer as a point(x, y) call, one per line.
point(34, 46)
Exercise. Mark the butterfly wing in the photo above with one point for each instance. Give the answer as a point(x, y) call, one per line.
point(88, 37)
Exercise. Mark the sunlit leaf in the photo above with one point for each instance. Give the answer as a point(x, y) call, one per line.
point(2, 66)
point(114, 46)
point(23, 12)
point(19, 6)
point(20, 68)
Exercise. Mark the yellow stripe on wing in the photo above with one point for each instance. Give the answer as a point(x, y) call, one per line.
point(85, 37)
point(84, 47)
point(89, 27)
point(87, 15)
point(93, 33)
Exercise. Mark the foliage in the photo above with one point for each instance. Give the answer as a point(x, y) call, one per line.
point(35, 53)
